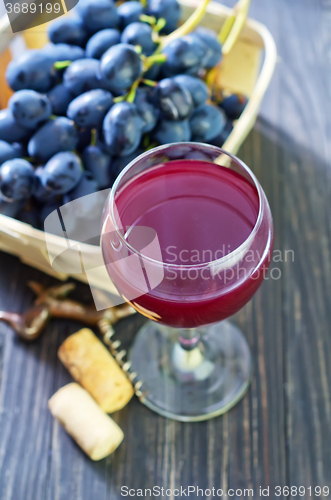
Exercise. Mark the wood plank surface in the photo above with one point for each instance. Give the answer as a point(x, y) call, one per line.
point(280, 433)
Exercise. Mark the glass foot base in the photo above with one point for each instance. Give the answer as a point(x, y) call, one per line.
point(191, 385)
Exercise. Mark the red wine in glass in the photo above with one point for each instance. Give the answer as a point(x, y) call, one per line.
point(214, 232)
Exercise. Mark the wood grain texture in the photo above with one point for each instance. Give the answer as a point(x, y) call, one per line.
point(280, 433)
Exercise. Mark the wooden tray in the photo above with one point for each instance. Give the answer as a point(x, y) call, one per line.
point(248, 68)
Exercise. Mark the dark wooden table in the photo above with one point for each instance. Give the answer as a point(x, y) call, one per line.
point(280, 433)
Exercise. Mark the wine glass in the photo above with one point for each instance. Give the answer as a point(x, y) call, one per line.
point(187, 238)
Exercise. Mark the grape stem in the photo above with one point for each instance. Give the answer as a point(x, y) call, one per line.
point(155, 58)
point(62, 64)
point(156, 37)
point(94, 137)
point(132, 93)
point(160, 25)
point(120, 98)
point(147, 19)
point(192, 22)
point(150, 83)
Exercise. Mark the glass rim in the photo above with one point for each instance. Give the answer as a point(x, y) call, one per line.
point(221, 260)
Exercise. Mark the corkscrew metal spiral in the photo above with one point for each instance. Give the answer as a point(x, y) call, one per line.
point(108, 332)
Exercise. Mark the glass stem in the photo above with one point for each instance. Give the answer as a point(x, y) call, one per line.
point(189, 338)
point(187, 354)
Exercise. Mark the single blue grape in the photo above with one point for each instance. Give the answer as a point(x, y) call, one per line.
point(207, 122)
point(129, 12)
point(16, 180)
point(174, 101)
point(67, 30)
point(89, 109)
point(10, 129)
point(62, 173)
point(98, 15)
point(185, 55)
point(209, 37)
point(122, 129)
point(98, 161)
point(8, 152)
point(60, 97)
point(99, 43)
point(82, 76)
point(139, 34)
point(56, 135)
point(168, 131)
point(32, 70)
point(120, 67)
point(169, 10)
point(146, 109)
point(234, 105)
point(63, 52)
point(119, 163)
point(196, 87)
point(220, 139)
point(29, 108)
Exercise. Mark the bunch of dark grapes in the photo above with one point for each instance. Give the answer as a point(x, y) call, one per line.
point(102, 91)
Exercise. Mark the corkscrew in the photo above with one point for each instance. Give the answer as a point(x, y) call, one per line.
point(108, 332)
point(54, 303)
